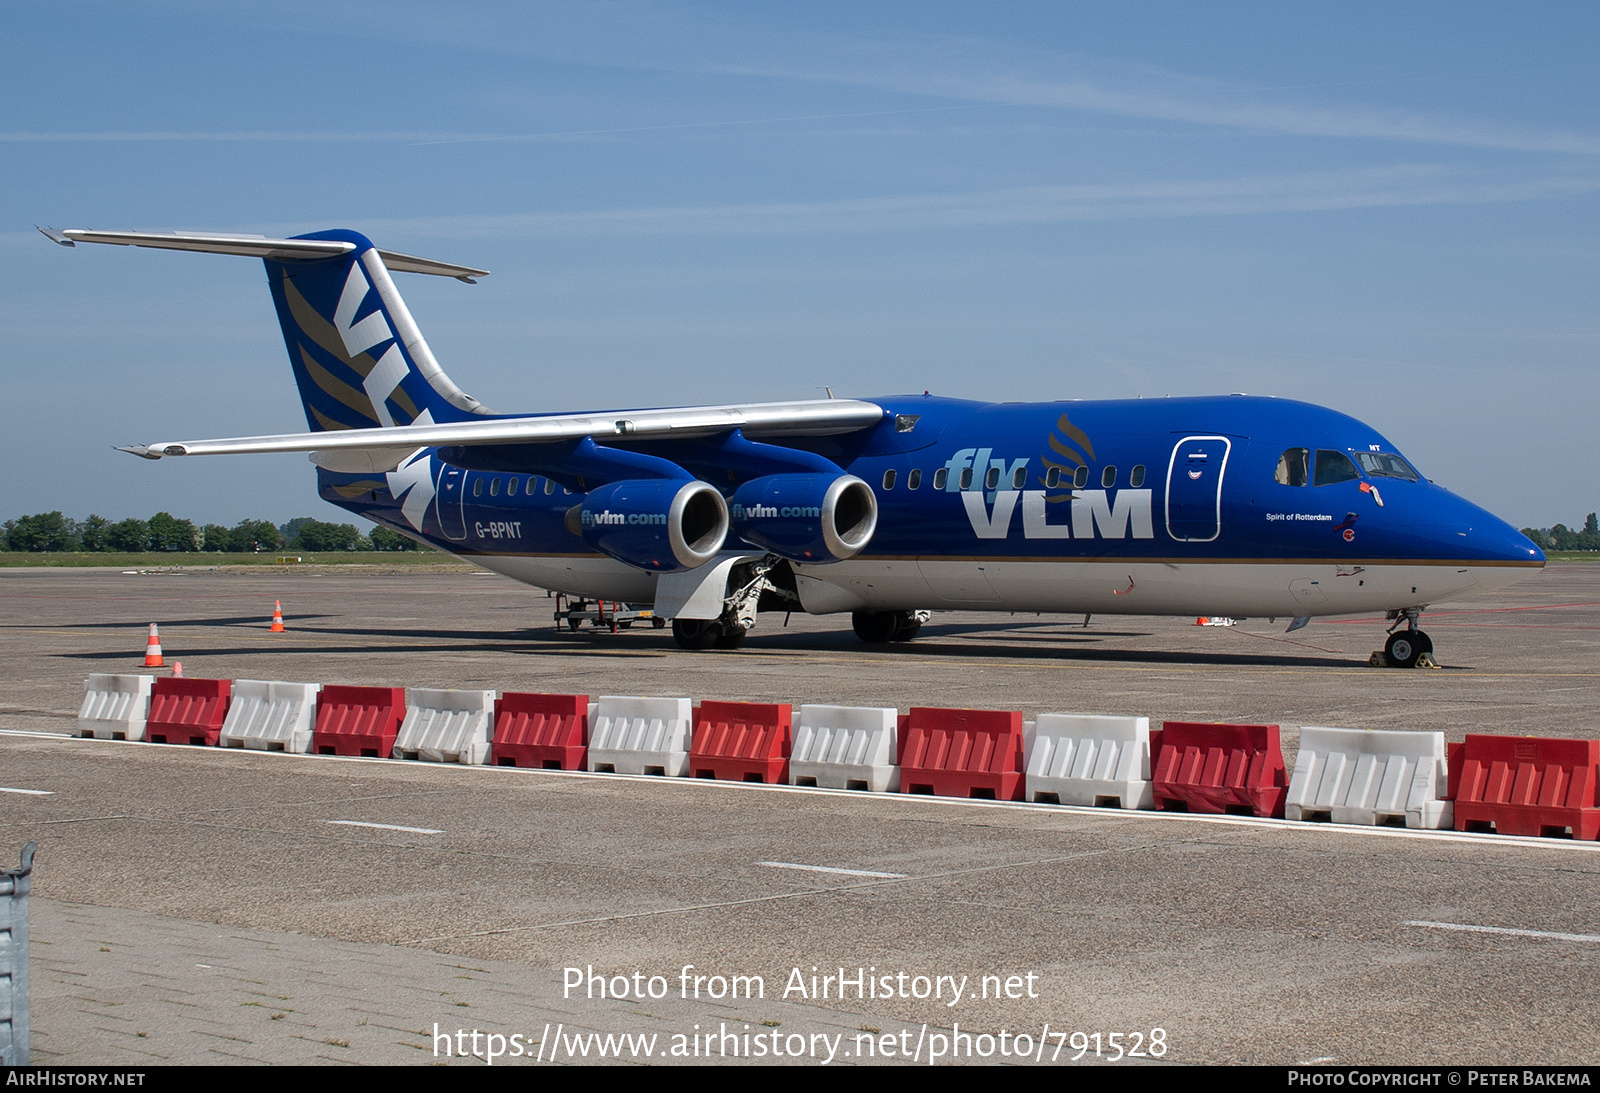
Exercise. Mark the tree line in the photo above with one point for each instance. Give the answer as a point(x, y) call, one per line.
point(53, 532)
point(1562, 537)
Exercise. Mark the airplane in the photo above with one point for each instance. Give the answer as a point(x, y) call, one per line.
point(886, 508)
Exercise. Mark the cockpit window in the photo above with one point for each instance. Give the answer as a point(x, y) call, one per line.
point(1334, 467)
point(1386, 465)
point(1292, 467)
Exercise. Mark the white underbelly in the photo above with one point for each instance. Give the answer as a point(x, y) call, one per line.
point(1241, 589)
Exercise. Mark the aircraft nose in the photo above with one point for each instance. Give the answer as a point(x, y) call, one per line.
point(1489, 539)
point(1507, 544)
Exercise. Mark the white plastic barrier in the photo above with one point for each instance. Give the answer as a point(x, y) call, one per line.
point(845, 747)
point(640, 735)
point(270, 716)
point(1366, 776)
point(446, 726)
point(1090, 759)
point(115, 707)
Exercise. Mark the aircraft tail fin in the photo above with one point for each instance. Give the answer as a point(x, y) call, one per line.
point(358, 357)
point(359, 360)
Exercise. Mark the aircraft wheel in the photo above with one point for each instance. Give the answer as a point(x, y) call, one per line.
point(875, 627)
point(1405, 646)
point(696, 633)
point(575, 624)
point(657, 622)
point(730, 637)
point(909, 627)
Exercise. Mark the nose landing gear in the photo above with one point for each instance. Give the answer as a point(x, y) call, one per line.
point(1405, 648)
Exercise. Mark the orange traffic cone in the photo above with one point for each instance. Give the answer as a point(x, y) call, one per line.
point(177, 669)
point(1201, 621)
point(277, 617)
point(152, 649)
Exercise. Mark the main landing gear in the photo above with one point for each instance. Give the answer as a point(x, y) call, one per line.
point(877, 627)
point(766, 584)
point(1406, 647)
point(707, 634)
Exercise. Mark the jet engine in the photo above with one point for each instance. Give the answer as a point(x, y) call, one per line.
point(806, 517)
point(664, 525)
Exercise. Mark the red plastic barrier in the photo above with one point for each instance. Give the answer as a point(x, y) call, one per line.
point(1220, 768)
point(962, 753)
point(550, 732)
point(358, 720)
point(741, 742)
point(1527, 785)
point(187, 711)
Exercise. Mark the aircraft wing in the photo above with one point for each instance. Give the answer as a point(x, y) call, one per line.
point(814, 417)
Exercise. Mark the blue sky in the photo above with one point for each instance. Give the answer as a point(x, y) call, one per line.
point(1386, 209)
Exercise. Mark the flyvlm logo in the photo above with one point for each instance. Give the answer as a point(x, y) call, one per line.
point(762, 512)
point(607, 518)
point(979, 478)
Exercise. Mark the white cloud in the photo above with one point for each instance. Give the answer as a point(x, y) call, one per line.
point(1375, 187)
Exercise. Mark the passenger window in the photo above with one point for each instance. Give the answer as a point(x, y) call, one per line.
point(1053, 478)
point(1108, 477)
point(1136, 476)
point(914, 479)
point(494, 487)
point(477, 488)
point(1335, 467)
point(966, 478)
point(1019, 478)
point(991, 480)
point(888, 479)
point(511, 487)
point(940, 477)
point(531, 481)
point(1292, 467)
point(549, 486)
point(1080, 477)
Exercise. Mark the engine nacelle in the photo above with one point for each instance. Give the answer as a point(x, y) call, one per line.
point(806, 517)
point(664, 525)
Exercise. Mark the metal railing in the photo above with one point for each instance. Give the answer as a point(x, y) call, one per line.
point(14, 887)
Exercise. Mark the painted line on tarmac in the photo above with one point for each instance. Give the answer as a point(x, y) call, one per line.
point(1468, 928)
point(388, 827)
point(830, 869)
point(809, 893)
point(32, 792)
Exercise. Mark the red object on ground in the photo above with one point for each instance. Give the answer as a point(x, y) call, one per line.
point(962, 753)
point(152, 648)
point(1220, 768)
point(1527, 785)
point(358, 721)
point(187, 711)
point(542, 731)
point(741, 742)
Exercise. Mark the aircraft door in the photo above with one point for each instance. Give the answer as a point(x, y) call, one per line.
point(452, 495)
point(1194, 488)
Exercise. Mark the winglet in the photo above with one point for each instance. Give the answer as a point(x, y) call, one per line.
point(56, 237)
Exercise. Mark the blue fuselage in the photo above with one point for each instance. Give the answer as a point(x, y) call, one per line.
point(1180, 482)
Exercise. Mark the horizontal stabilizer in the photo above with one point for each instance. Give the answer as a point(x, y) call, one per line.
point(815, 417)
point(259, 246)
